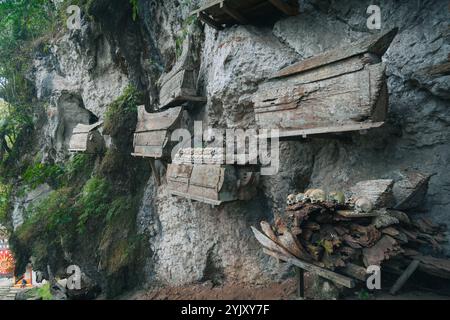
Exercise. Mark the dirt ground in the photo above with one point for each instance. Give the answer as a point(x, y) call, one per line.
point(285, 290)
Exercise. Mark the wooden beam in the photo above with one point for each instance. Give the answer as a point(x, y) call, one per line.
point(209, 21)
point(377, 44)
point(284, 7)
point(155, 172)
point(283, 133)
point(300, 282)
point(404, 277)
point(233, 13)
point(275, 251)
point(354, 271)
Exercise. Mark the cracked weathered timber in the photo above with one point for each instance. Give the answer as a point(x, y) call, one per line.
point(86, 139)
point(338, 91)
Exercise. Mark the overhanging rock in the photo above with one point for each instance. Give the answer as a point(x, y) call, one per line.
point(338, 91)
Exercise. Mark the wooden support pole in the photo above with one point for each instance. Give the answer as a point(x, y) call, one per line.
point(155, 172)
point(404, 277)
point(210, 22)
point(300, 282)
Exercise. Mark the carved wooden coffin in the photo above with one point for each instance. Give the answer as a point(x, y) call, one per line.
point(212, 184)
point(86, 139)
point(222, 13)
point(152, 135)
point(180, 84)
point(337, 91)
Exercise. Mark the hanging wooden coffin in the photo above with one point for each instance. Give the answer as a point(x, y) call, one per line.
point(340, 90)
point(152, 135)
point(180, 84)
point(222, 13)
point(212, 184)
point(86, 139)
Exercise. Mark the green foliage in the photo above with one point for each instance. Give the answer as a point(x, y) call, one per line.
point(135, 8)
point(79, 168)
point(119, 206)
point(5, 195)
point(22, 22)
point(40, 173)
point(121, 112)
point(94, 201)
point(184, 32)
point(44, 292)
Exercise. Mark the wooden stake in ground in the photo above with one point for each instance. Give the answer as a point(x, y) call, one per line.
point(300, 282)
point(404, 277)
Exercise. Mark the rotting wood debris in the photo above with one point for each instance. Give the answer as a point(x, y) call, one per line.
point(347, 233)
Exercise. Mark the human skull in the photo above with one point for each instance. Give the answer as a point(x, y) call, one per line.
point(337, 197)
point(290, 199)
point(317, 195)
point(363, 205)
point(300, 197)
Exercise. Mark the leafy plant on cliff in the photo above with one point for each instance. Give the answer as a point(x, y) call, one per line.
point(22, 23)
point(121, 113)
point(40, 173)
point(5, 195)
point(94, 201)
point(135, 8)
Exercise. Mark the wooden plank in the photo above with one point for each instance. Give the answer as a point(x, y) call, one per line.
point(404, 277)
point(209, 21)
point(196, 198)
point(377, 44)
point(207, 5)
point(281, 254)
point(355, 214)
point(284, 7)
point(354, 271)
point(379, 192)
point(323, 106)
point(157, 121)
point(325, 130)
point(233, 13)
point(300, 282)
point(155, 172)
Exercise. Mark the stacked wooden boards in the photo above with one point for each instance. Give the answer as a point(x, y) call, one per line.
point(152, 135)
point(201, 174)
point(86, 139)
point(222, 13)
point(338, 91)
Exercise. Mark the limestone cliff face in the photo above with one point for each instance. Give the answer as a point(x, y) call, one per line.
point(87, 69)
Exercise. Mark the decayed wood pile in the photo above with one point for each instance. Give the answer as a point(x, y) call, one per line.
point(333, 235)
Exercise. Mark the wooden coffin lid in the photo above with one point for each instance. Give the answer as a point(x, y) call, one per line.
point(376, 44)
point(86, 128)
point(184, 62)
point(157, 121)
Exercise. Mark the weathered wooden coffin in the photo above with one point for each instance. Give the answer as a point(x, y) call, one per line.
point(337, 91)
point(221, 13)
point(212, 184)
point(180, 84)
point(86, 139)
point(152, 135)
